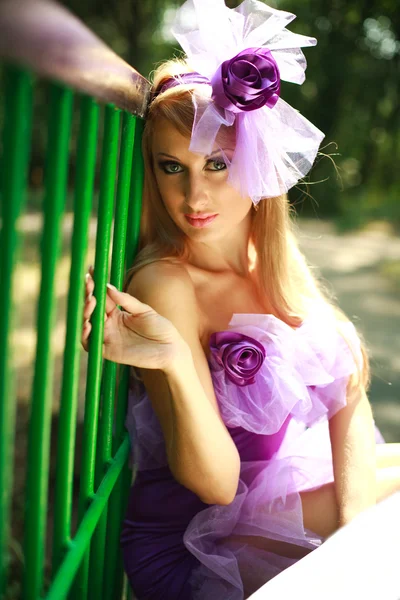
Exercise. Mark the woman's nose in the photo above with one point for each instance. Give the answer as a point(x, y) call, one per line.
point(196, 191)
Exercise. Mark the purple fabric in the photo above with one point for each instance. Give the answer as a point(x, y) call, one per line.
point(245, 52)
point(174, 546)
point(239, 355)
point(247, 81)
point(182, 79)
point(304, 374)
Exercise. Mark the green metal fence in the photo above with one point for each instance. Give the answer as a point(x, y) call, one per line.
point(85, 83)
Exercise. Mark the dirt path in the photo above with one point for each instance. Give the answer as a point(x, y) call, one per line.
point(353, 266)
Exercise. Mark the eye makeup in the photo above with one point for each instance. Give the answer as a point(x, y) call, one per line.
point(165, 164)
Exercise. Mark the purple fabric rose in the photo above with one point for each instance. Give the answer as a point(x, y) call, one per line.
point(247, 81)
point(240, 355)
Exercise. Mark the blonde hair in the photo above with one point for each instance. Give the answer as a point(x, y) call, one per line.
point(287, 285)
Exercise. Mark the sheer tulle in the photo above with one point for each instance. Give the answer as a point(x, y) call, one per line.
point(209, 41)
point(304, 374)
point(267, 506)
point(280, 426)
point(275, 147)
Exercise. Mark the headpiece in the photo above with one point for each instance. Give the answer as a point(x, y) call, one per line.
point(242, 54)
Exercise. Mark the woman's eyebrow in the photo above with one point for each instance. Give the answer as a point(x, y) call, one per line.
point(208, 156)
point(165, 154)
point(219, 151)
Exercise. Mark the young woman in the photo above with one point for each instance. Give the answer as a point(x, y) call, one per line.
point(251, 429)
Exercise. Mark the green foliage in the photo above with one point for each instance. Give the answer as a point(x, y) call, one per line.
point(130, 27)
point(351, 93)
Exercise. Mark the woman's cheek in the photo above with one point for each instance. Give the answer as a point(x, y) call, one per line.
point(171, 205)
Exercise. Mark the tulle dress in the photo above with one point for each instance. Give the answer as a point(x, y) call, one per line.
point(276, 388)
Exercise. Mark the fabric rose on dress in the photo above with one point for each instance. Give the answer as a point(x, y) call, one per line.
point(247, 81)
point(239, 355)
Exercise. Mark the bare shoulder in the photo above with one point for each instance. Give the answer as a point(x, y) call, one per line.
point(161, 276)
point(165, 269)
point(167, 287)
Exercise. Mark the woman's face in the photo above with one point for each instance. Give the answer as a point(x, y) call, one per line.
point(193, 185)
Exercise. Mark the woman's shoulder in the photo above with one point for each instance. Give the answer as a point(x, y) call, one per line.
point(167, 287)
point(164, 274)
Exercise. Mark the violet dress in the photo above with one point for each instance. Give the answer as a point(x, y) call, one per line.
point(276, 388)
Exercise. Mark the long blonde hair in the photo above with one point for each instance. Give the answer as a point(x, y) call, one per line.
point(284, 277)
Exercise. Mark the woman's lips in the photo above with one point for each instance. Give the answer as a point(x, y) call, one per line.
point(200, 222)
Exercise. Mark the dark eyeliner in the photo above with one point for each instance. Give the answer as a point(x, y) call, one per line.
point(217, 159)
point(163, 163)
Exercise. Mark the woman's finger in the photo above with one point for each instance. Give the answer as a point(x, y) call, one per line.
point(127, 302)
point(110, 304)
point(89, 284)
point(86, 329)
point(89, 307)
point(89, 288)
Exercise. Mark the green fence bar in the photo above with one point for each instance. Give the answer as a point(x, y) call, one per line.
point(132, 240)
point(17, 97)
point(40, 421)
point(119, 498)
point(104, 448)
point(124, 483)
point(86, 160)
point(79, 545)
point(113, 559)
point(106, 207)
point(113, 574)
point(130, 124)
point(136, 197)
point(48, 43)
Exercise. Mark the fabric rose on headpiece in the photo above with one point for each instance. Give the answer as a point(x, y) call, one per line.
point(245, 52)
point(239, 355)
point(247, 81)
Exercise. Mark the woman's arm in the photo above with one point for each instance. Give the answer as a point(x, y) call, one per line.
point(353, 444)
point(201, 453)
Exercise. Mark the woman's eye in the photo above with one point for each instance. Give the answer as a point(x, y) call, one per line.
point(219, 165)
point(171, 167)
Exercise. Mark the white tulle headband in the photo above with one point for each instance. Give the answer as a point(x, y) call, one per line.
point(242, 54)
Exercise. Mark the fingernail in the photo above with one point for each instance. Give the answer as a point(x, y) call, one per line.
point(87, 276)
point(112, 287)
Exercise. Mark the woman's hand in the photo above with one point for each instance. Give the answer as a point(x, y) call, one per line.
point(136, 335)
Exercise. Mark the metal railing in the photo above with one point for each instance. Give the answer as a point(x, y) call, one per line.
point(41, 42)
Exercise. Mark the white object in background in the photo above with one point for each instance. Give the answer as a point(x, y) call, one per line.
point(360, 561)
